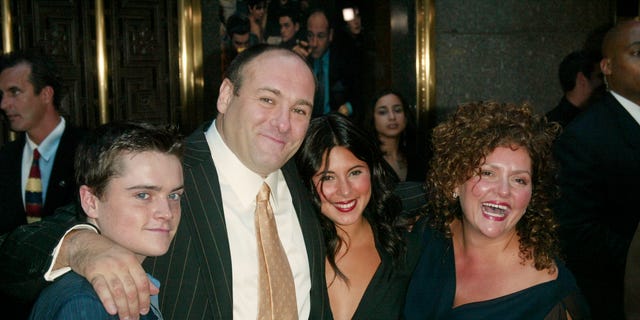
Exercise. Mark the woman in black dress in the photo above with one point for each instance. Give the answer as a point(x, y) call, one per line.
point(370, 253)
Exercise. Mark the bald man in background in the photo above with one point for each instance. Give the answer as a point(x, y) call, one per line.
point(599, 158)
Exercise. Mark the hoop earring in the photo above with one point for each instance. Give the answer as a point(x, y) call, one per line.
point(455, 195)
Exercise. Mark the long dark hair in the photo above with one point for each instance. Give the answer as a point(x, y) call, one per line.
point(384, 208)
point(414, 150)
point(407, 138)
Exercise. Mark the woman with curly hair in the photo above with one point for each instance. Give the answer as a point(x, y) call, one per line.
point(370, 253)
point(492, 251)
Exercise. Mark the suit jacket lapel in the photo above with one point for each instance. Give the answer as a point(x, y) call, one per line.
point(18, 171)
point(203, 218)
point(303, 210)
point(59, 187)
point(313, 240)
point(629, 128)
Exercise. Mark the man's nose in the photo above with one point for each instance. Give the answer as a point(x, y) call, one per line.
point(313, 41)
point(163, 209)
point(282, 120)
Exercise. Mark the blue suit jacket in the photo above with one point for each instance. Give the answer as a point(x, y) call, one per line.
point(72, 297)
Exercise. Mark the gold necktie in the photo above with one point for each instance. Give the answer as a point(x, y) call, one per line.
point(277, 292)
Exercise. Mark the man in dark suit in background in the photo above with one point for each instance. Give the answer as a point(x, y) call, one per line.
point(211, 270)
point(31, 92)
point(334, 69)
point(581, 79)
point(599, 158)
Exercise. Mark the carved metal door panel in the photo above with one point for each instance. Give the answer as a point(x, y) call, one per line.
point(141, 55)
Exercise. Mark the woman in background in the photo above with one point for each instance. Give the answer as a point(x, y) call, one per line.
point(390, 120)
point(370, 253)
point(492, 252)
point(257, 12)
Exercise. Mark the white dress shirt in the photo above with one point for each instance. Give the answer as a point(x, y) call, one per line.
point(239, 187)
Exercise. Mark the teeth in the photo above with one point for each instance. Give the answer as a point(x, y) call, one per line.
point(345, 206)
point(500, 215)
point(495, 210)
point(497, 206)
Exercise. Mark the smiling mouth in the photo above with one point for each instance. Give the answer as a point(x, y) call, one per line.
point(494, 211)
point(160, 229)
point(274, 139)
point(345, 206)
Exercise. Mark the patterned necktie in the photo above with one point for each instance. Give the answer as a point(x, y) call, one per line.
point(277, 292)
point(33, 190)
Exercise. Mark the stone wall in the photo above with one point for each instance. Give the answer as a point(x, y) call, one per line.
point(509, 50)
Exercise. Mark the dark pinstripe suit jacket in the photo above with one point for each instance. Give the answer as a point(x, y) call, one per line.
point(61, 190)
point(196, 272)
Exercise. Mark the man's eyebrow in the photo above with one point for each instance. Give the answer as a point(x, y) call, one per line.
point(144, 187)
point(279, 93)
point(272, 90)
point(152, 187)
point(304, 102)
point(635, 43)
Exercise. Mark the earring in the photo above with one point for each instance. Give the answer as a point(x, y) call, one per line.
point(455, 195)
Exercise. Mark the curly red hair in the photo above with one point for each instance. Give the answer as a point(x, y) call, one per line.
point(460, 146)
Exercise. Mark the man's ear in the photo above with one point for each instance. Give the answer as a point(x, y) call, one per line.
point(46, 94)
point(225, 95)
point(581, 80)
point(89, 202)
point(605, 65)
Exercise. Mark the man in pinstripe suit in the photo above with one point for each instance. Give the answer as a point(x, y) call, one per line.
point(211, 270)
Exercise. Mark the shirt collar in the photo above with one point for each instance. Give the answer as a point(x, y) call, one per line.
point(47, 148)
point(246, 183)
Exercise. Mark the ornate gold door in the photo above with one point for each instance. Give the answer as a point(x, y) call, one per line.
point(119, 59)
